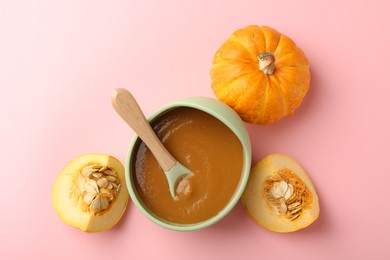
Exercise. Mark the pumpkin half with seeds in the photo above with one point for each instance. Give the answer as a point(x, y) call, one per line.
point(90, 192)
point(280, 195)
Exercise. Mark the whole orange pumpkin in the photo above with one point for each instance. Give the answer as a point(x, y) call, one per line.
point(262, 74)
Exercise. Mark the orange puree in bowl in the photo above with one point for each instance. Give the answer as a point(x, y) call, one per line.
point(204, 145)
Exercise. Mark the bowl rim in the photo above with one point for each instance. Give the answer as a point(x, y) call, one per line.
point(204, 104)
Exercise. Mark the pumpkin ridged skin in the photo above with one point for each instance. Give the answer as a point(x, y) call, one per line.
point(237, 80)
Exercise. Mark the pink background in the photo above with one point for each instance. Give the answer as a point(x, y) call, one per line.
point(60, 61)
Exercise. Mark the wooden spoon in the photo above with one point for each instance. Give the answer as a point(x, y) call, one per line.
point(127, 107)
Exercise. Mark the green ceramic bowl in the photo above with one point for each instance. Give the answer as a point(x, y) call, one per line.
point(226, 115)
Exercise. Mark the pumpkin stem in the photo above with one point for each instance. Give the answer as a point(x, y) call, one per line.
point(266, 63)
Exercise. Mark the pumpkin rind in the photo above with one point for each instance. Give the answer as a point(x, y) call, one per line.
point(238, 81)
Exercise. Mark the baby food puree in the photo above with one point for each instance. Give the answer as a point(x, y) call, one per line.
point(204, 145)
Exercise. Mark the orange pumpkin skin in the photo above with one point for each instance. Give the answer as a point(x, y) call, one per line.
point(260, 94)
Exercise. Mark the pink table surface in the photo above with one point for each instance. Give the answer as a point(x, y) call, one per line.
point(60, 61)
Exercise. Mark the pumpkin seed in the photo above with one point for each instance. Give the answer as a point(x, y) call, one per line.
point(110, 172)
point(95, 205)
point(289, 192)
point(102, 182)
point(88, 170)
point(102, 169)
point(88, 198)
point(104, 203)
point(97, 174)
point(294, 205)
point(91, 189)
point(111, 178)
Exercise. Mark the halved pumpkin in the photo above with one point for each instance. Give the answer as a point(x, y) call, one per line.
point(280, 195)
point(90, 192)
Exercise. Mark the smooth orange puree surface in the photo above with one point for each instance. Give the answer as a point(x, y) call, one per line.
point(204, 145)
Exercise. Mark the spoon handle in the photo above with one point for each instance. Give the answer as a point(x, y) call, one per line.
point(127, 107)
